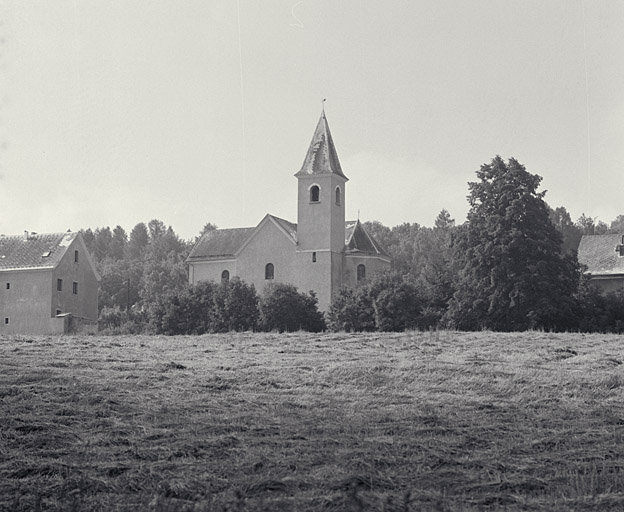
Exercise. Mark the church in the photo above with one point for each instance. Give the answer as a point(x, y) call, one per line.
point(321, 252)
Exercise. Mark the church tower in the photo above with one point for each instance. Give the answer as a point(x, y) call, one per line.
point(321, 217)
point(321, 195)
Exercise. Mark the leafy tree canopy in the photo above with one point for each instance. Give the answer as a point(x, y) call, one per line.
point(513, 275)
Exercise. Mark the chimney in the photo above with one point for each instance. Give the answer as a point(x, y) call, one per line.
point(25, 235)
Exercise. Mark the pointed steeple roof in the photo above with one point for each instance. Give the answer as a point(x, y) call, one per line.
point(321, 157)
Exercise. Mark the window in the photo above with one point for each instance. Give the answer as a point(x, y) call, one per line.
point(59, 285)
point(313, 257)
point(225, 276)
point(8, 286)
point(75, 288)
point(314, 193)
point(75, 256)
point(58, 312)
point(361, 272)
point(6, 321)
point(338, 195)
point(269, 271)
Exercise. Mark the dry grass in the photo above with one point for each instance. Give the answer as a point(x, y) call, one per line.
point(393, 422)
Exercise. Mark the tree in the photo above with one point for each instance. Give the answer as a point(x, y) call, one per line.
point(589, 226)
point(388, 302)
point(118, 243)
point(617, 225)
point(162, 277)
point(283, 308)
point(513, 275)
point(570, 232)
point(139, 239)
point(396, 301)
point(351, 310)
point(444, 220)
point(102, 243)
point(235, 307)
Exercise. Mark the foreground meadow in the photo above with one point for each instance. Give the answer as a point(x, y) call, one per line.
point(414, 421)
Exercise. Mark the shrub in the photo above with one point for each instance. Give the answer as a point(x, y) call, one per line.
point(599, 312)
point(205, 307)
point(183, 312)
point(396, 302)
point(234, 307)
point(388, 302)
point(114, 320)
point(351, 310)
point(283, 308)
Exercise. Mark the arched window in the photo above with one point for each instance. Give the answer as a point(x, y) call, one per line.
point(361, 272)
point(337, 195)
point(269, 271)
point(225, 276)
point(314, 194)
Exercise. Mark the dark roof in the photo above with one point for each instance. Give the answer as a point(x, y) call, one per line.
point(34, 250)
point(358, 240)
point(287, 226)
point(220, 243)
point(598, 253)
point(224, 243)
point(321, 157)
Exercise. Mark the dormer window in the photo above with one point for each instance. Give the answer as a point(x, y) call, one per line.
point(315, 193)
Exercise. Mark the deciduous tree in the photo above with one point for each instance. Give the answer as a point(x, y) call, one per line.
point(513, 274)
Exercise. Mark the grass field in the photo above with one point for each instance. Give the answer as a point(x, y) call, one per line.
point(415, 421)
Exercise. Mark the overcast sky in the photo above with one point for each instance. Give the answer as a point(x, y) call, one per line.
point(114, 112)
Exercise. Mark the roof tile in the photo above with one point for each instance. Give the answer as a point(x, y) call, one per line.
point(34, 251)
point(598, 253)
point(321, 157)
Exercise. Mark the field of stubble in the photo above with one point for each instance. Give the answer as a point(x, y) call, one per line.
point(417, 421)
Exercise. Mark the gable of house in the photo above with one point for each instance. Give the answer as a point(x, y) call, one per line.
point(42, 276)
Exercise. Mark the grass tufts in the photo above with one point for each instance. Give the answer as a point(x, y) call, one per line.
point(434, 420)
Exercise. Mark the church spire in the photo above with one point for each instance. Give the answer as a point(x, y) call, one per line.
point(321, 157)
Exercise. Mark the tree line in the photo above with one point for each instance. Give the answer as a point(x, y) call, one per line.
point(511, 266)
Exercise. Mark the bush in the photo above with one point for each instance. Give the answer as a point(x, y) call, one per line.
point(206, 307)
point(388, 302)
point(113, 320)
point(234, 307)
point(599, 312)
point(283, 308)
point(183, 312)
point(351, 310)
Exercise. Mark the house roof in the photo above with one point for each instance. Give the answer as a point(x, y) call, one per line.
point(34, 251)
point(358, 240)
point(225, 243)
point(321, 157)
point(220, 243)
point(289, 227)
point(598, 253)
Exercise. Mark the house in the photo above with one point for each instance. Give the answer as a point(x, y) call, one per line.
point(603, 255)
point(48, 284)
point(321, 252)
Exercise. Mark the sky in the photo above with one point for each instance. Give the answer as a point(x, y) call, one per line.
point(121, 111)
